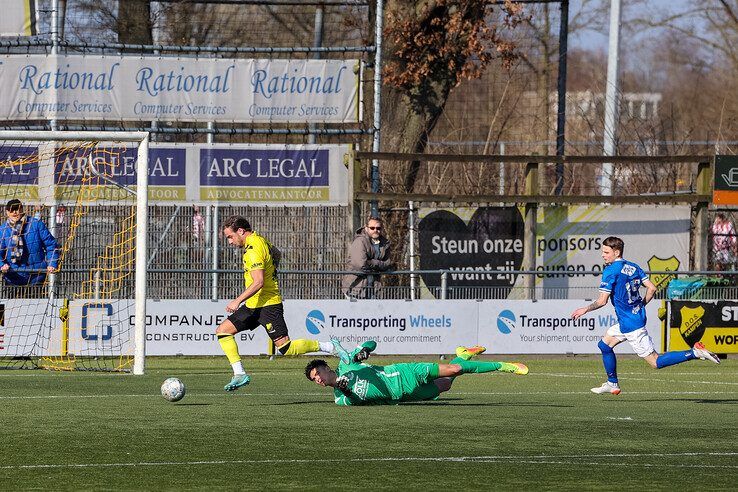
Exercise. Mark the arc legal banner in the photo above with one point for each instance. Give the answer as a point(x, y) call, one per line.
point(183, 174)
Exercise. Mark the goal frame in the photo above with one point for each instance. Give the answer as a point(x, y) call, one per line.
point(142, 180)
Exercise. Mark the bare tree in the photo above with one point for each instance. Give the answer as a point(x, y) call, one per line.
point(431, 46)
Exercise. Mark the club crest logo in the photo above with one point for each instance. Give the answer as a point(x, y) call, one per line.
point(661, 280)
point(692, 327)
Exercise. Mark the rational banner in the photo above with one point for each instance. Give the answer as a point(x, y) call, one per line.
point(713, 323)
point(115, 88)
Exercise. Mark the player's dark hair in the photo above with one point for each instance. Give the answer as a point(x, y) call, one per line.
point(236, 222)
point(314, 364)
point(614, 243)
point(13, 205)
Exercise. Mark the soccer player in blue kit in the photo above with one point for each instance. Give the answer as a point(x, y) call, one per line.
point(621, 283)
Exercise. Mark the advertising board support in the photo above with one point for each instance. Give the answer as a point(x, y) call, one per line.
point(529, 238)
point(701, 226)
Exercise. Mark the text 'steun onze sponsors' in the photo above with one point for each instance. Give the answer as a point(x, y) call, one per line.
point(479, 253)
point(481, 247)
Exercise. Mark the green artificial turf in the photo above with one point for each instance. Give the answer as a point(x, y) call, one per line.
point(670, 429)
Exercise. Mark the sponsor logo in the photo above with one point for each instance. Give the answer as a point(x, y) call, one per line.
point(87, 326)
point(661, 280)
point(506, 321)
point(315, 322)
point(692, 328)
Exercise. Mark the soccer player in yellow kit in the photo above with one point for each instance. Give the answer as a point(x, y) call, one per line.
point(259, 304)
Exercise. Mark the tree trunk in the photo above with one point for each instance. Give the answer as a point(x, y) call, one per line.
point(134, 22)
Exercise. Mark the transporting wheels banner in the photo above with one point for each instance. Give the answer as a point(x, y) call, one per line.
point(187, 327)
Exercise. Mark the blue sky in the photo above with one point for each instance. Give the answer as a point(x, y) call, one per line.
point(598, 39)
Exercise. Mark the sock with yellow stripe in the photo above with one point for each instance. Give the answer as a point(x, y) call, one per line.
point(299, 347)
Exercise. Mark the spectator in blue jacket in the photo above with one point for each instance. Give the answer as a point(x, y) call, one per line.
point(27, 249)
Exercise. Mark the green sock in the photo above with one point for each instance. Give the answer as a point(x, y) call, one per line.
point(468, 366)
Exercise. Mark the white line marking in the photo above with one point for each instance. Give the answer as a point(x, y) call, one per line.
point(326, 394)
point(650, 379)
point(540, 459)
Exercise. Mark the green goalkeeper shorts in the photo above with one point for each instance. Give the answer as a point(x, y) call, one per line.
point(416, 380)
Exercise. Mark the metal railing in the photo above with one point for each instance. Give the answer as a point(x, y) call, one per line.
point(170, 283)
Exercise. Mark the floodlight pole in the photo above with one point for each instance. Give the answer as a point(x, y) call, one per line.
point(561, 94)
point(612, 101)
point(377, 100)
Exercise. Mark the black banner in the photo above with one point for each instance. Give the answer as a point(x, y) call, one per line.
point(481, 251)
point(692, 319)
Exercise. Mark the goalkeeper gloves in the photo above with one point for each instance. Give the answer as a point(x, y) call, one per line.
point(362, 355)
point(342, 384)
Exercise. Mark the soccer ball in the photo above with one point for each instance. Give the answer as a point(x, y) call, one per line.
point(172, 389)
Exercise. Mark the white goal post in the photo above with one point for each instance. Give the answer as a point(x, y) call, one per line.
point(141, 140)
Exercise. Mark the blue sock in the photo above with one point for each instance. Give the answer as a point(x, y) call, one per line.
point(609, 361)
point(676, 357)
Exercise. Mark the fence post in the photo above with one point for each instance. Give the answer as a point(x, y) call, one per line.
point(529, 238)
point(354, 171)
point(444, 285)
point(704, 187)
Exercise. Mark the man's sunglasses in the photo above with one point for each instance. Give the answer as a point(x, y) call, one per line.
point(374, 228)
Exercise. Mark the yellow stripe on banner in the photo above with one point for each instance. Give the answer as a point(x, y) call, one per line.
point(718, 340)
point(591, 213)
point(27, 25)
point(265, 194)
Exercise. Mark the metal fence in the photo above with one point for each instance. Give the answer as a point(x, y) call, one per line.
point(404, 285)
point(188, 258)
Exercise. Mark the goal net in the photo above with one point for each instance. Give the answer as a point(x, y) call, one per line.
point(72, 247)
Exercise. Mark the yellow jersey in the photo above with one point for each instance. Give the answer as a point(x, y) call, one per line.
point(258, 256)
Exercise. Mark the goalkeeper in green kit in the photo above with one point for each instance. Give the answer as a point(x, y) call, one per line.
point(357, 383)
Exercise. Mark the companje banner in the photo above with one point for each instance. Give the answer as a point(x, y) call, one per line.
point(111, 88)
point(421, 327)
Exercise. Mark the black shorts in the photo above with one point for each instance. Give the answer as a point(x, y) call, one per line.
point(270, 317)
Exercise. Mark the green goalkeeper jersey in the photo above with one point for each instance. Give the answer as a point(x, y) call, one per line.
point(381, 385)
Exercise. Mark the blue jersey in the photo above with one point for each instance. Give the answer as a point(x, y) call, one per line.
point(623, 280)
